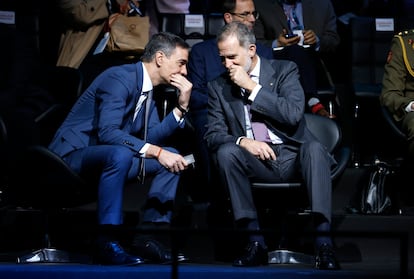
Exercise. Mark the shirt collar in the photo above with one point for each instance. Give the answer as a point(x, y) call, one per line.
point(146, 84)
point(256, 70)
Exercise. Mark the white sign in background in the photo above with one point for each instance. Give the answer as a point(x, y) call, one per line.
point(7, 17)
point(384, 24)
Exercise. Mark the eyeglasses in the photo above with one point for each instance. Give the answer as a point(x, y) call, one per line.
point(244, 15)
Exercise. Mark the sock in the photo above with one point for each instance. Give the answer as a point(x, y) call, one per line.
point(158, 231)
point(108, 233)
point(324, 227)
point(253, 225)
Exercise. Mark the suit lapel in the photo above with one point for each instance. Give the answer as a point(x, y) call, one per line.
point(280, 14)
point(233, 97)
point(308, 16)
point(266, 78)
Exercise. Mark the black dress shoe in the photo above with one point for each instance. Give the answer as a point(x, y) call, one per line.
point(326, 259)
point(154, 251)
point(111, 253)
point(254, 255)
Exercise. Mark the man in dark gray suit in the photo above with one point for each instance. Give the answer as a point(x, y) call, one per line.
point(272, 92)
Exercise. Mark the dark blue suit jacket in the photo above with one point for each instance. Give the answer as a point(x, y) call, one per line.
point(104, 115)
point(205, 65)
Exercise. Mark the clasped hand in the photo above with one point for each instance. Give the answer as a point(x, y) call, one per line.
point(184, 87)
point(241, 78)
point(259, 149)
point(172, 161)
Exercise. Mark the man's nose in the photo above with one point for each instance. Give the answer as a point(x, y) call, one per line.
point(183, 71)
point(228, 63)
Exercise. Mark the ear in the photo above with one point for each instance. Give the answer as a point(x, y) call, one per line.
point(159, 58)
point(252, 50)
point(228, 17)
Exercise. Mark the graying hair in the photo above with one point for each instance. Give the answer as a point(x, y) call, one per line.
point(245, 36)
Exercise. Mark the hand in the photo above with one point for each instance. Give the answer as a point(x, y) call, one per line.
point(283, 41)
point(184, 87)
point(241, 78)
point(259, 149)
point(309, 37)
point(172, 161)
point(325, 113)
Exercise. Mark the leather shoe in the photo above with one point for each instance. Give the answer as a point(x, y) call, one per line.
point(254, 255)
point(111, 253)
point(154, 251)
point(325, 258)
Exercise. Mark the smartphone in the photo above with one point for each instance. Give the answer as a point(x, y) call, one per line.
point(288, 36)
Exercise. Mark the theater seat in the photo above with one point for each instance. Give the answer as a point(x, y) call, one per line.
point(49, 185)
point(328, 132)
point(40, 181)
point(274, 205)
point(214, 22)
point(370, 42)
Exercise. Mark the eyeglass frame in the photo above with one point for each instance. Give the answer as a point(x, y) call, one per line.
point(244, 15)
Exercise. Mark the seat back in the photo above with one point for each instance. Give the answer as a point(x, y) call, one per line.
point(194, 28)
point(3, 132)
point(392, 123)
point(190, 27)
point(328, 132)
point(173, 23)
point(3, 158)
point(325, 130)
point(48, 182)
point(65, 85)
point(370, 42)
point(214, 22)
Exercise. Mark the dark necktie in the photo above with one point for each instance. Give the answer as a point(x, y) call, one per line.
point(147, 103)
point(140, 103)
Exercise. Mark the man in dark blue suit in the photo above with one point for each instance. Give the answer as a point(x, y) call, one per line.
point(205, 65)
point(107, 131)
point(267, 93)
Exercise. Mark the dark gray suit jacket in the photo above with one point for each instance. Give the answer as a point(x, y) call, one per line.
point(280, 103)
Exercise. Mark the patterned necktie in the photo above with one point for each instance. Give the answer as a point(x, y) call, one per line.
point(147, 102)
point(141, 100)
point(259, 129)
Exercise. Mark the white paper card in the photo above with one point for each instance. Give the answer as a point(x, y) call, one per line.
point(194, 21)
point(384, 24)
point(190, 159)
point(7, 17)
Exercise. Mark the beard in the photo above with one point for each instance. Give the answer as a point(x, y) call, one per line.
point(248, 65)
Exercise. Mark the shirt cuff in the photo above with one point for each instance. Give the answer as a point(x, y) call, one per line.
point(408, 107)
point(318, 44)
point(254, 92)
point(313, 101)
point(177, 118)
point(239, 140)
point(143, 150)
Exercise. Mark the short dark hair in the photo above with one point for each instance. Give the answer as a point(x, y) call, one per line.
point(165, 42)
point(228, 6)
point(245, 36)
